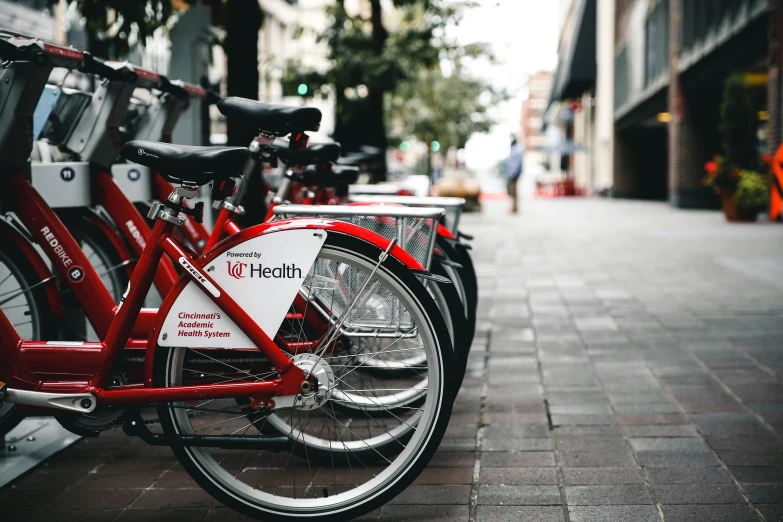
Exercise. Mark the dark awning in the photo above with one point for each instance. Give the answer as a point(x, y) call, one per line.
point(576, 69)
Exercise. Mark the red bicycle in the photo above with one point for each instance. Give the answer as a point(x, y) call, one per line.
point(104, 234)
point(103, 121)
point(217, 413)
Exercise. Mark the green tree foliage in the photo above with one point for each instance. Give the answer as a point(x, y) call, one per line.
point(432, 106)
point(110, 23)
point(448, 109)
point(365, 54)
point(739, 125)
point(752, 190)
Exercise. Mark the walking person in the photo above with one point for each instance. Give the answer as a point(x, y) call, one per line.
point(514, 171)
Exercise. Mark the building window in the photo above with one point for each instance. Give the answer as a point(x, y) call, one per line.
point(656, 43)
point(621, 79)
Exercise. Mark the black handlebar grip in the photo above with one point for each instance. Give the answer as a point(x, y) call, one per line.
point(175, 90)
point(100, 68)
point(213, 98)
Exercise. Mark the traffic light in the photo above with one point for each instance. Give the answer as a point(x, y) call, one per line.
point(302, 89)
point(405, 146)
point(435, 146)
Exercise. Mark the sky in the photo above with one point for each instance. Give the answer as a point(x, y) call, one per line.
point(523, 34)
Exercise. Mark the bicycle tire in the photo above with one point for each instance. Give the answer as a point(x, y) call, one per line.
point(457, 325)
point(44, 322)
point(469, 279)
point(459, 276)
point(376, 493)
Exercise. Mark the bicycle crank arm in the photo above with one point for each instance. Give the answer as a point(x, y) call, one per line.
point(135, 427)
point(74, 402)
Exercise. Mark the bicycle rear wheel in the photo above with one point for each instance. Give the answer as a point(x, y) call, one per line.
point(341, 464)
point(26, 306)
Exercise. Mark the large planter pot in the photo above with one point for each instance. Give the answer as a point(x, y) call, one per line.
point(732, 211)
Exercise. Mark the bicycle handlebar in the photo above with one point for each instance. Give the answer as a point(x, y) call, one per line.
point(122, 72)
point(213, 98)
point(192, 89)
point(19, 48)
point(147, 78)
point(172, 88)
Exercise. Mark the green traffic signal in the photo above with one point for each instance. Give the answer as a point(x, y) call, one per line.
point(405, 146)
point(435, 146)
point(302, 90)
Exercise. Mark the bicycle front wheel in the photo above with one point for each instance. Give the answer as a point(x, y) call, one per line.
point(342, 462)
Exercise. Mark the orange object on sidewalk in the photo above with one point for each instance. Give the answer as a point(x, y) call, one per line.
point(776, 188)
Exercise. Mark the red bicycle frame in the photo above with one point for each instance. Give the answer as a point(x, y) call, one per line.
point(132, 225)
point(87, 367)
point(69, 260)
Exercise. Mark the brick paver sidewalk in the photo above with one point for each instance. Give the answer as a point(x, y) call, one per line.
point(628, 368)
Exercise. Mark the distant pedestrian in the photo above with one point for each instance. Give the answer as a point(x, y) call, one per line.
point(514, 171)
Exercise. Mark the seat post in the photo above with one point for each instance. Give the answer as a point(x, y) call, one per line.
point(182, 193)
point(171, 210)
point(282, 189)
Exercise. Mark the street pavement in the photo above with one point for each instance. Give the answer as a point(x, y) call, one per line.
point(627, 368)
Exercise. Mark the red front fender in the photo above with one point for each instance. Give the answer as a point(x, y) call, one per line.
point(328, 225)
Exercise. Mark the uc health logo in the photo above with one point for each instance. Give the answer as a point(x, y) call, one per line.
point(237, 269)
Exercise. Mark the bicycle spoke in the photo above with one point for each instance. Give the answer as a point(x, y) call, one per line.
point(367, 418)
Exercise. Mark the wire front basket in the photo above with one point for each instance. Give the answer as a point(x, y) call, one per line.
point(356, 301)
point(414, 228)
point(357, 304)
point(452, 206)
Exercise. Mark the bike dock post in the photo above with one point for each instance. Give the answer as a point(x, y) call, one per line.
point(30, 443)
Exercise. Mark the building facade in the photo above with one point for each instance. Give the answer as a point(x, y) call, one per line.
point(660, 67)
point(289, 32)
point(571, 111)
point(531, 124)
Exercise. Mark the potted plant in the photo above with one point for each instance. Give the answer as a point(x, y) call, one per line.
point(734, 175)
point(743, 193)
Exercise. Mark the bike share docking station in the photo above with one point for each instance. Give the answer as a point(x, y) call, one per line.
point(31, 442)
point(70, 117)
point(35, 439)
point(63, 185)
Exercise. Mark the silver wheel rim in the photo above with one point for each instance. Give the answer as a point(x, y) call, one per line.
point(424, 420)
point(415, 393)
point(17, 302)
